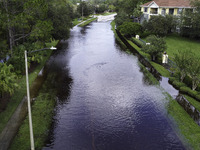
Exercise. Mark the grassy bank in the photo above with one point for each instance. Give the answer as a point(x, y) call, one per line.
point(116, 36)
point(148, 77)
point(20, 93)
point(76, 21)
point(42, 114)
point(87, 22)
point(187, 127)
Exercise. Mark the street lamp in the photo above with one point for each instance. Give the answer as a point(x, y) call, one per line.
point(28, 95)
point(82, 9)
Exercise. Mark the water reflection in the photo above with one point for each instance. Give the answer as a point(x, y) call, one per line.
point(107, 106)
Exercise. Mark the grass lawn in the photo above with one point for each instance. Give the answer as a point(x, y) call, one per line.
point(176, 43)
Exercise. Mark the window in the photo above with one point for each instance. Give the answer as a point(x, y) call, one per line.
point(154, 11)
point(145, 9)
point(163, 11)
point(180, 10)
point(171, 11)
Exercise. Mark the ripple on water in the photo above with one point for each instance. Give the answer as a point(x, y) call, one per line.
point(109, 107)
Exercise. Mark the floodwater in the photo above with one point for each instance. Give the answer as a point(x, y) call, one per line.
point(104, 102)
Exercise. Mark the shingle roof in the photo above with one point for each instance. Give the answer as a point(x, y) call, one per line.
point(170, 3)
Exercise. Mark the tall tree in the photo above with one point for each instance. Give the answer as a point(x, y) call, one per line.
point(182, 60)
point(61, 15)
point(156, 47)
point(190, 21)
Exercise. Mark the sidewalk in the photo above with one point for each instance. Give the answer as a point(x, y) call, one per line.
point(13, 125)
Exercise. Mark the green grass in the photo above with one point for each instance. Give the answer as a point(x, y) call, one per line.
point(19, 94)
point(147, 56)
point(164, 72)
point(87, 22)
point(116, 36)
point(75, 22)
point(193, 102)
point(42, 121)
point(177, 43)
point(188, 128)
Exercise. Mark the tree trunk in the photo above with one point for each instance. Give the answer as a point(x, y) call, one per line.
point(153, 57)
point(182, 76)
point(10, 32)
point(11, 43)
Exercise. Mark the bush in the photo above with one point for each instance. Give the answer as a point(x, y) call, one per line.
point(188, 81)
point(137, 42)
point(171, 79)
point(145, 34)
point(178, 84)
point(130, 29)
point(160, 25)
point(185, 89)
point(198, 97)
point(7, 79)
point(120, 18)
point(156, 47)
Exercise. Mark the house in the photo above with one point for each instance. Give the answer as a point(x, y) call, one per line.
point(164, 7)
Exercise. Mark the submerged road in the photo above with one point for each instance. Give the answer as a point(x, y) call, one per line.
point(104, 102)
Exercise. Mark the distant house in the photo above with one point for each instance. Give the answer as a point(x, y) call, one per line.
point(163, 7)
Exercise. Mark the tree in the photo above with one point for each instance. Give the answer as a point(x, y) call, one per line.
point(130, 29)
point(194, 71)
point(120, 18)
point(85, 8)
point(7, 79)
point(111, 8)
point(190, 21)
point(25, 21)
point(61, 15)
point(101, 8)
point(156, 47)
point(182, 60)
point(128, 6)
point(160, 25)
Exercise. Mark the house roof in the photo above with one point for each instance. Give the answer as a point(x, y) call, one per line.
point(169, 3)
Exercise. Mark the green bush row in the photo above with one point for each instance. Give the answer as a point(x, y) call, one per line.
point(137, 42)
point(183, 88)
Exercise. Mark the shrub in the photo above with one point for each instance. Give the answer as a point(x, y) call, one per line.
point(7, 79)
point(185, 89)
point(137, 42)
point(178, 84)
point(171, 79)
point(145, 34)
point(130, 29)
point(156, 47)
point(160, 25)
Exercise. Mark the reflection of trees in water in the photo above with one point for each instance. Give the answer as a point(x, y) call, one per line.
point(63, 86)
point(59, 84)
point(148, 78)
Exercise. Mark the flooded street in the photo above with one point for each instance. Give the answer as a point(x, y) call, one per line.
point(103, 101)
